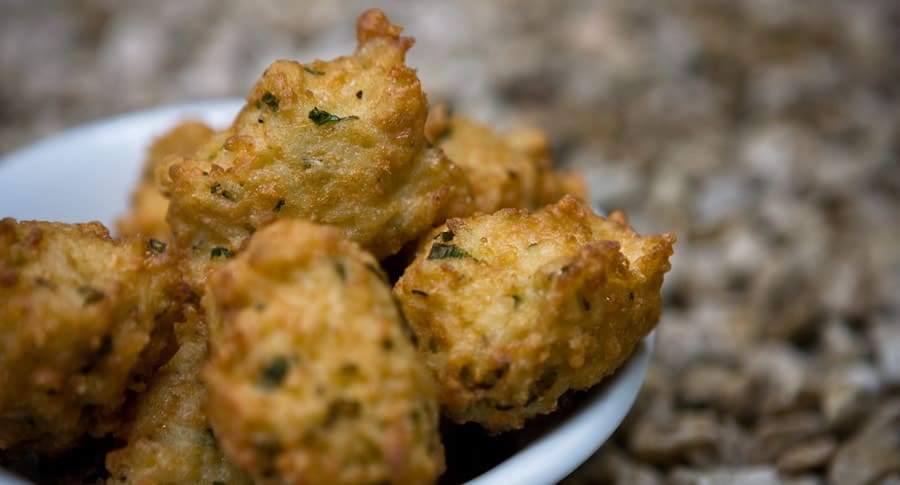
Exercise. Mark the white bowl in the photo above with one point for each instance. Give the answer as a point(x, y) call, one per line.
point(87, 173)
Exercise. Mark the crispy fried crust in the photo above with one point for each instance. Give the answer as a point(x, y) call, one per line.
point(147, 217)
point(168, 438)
point(511, 171)
point(552, 184)
point(83, 321)
point(500, 175)
point(337, 142)
point(312, 379)
point(510, 310)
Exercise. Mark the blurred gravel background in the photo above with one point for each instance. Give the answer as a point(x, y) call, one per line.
point(766, 133)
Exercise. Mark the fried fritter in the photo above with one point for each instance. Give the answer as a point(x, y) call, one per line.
point(336, 142)
point(552, 184)
point(500, 175)
point(169, 439)
point(147, 217)
point(512, 171)
point(312, 378)
point(83, 321)
point(512, 309)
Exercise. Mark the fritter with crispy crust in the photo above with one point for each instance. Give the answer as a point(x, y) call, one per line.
point(83, 320)
point(512, 309)
point(147, 217)
point(336, 142)
point(552, 184)
point(500, 175)
point(312, 378)
point(515, 171)
point(168, 438)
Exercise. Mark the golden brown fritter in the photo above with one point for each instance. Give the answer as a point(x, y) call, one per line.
point(337, 142)
point(312, 379)
point(83, 321)
point(501, 176)
point(169, 439)
point(552, 184)
point(510, 310)
point(147, 217)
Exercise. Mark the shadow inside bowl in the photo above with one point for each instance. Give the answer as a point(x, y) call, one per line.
point(473, 454)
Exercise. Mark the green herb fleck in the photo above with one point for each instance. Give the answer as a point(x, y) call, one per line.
point(270, 100)
point(341, 270)
point(517, 300)
point(156, 246)
point(220, 252)
point(215, 188)
point(258, 104)
point(446, 236)
point(442, 251)
point(228, 195)
point(259, 306)
point(274, 373)
point(90, 294)
point(419, 292)
point(313, 71)
point(321, 117)
point(279, 205)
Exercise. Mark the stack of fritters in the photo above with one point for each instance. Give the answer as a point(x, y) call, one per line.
point(242, 328)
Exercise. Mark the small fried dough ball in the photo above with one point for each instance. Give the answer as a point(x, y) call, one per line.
point(337, 142)
point(168, 439)
point(312, 379)
point(552, 184)
point(147, 217)
point(501, 176)
point(514, 170)
point(510, 310)
point(83, 320)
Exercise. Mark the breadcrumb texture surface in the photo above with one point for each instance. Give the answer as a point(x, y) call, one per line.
point(337, 142)
point(168, 438)
point(510, 310)
point(512, 170)
point(84, 321)
point(147, 216)
point(312, 378)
